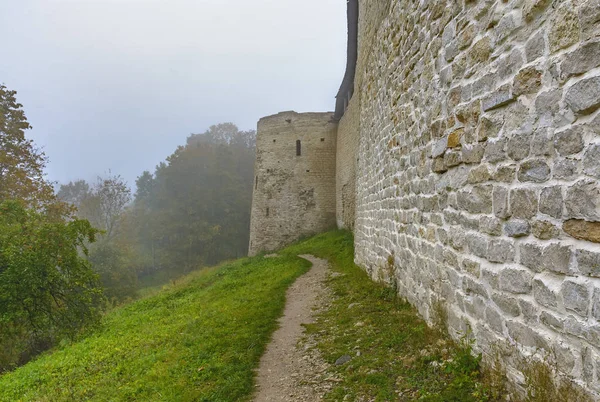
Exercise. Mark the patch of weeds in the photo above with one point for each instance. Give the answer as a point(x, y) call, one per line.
point(495, 373)
point(439, 315)
point(391, 273)
point(544, 383)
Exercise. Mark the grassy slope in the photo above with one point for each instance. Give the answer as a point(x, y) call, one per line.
point(202, 339)
point(198, 341)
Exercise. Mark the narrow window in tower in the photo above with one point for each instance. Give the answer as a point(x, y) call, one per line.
point(256, 183)
point(267, 211)
point(298, 148)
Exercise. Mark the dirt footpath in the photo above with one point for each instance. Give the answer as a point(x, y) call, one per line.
point(290, 371)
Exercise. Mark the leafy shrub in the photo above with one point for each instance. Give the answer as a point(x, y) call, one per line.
point(47, 290)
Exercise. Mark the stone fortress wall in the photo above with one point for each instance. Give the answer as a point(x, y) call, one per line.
point(478, 170)
point(294, 195)
point(468, 166)
point(346, 162)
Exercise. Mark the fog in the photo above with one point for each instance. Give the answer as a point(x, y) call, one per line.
point(118, 84)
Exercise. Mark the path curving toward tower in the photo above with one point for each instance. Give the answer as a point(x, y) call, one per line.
point(289, 371)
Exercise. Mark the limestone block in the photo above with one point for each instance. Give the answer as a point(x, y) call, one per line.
point(596, 304)
point(495, 151)
point(508, 65)
point(518, 146)
point(473, 153)
point(502, 96)
point(556, 258)
point(544, 230)
point(588, 262)
point(449, 33)
point(591, 161)
point(535, 170)
point(505, 174)
point(535, 47)
point(531, 256)
point(576, 297)
point(570, 141)
point(541, 144)
point(471, 286)
point(476, 201)
point(552, 321)
point(480, 52)
point(494, 319)
point(546, 290)
point(477, 245)
point(484, 84)
point(587, 360)
point(533, 8)
point(452, 158)
point(479, 175)
point(439, 166)
point(507, 24)
point(580, 61)
point(589, 17)
point(439, 148)
point(515, 280)
point(565, 28)
point(525, 335)
point(517, 228)
point(583, 230)
point(575, 328)
point(471, 267)
point(565, 169)
point(584, 96)
point(529, 310)
point(527, 81)
point(490, 277)
point(488, 128)
point(523, 203)
point(547, 106)
point(508, 304)
point(501, 206)
point(501, 251)
point(583, 200)
point(490, 225)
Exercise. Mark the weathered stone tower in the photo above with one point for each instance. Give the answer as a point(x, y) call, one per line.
point(294, 184)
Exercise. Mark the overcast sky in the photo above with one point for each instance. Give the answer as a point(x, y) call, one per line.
point(118, 84)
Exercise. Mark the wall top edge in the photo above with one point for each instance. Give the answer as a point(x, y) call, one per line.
point(296, 115)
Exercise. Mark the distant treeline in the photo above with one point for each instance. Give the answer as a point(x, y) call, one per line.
point(193, 211)
point(66, 257)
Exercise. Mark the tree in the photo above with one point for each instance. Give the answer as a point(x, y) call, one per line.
point(224, 134)
point(75, 193)
point(195, 208)
point(21, 163)
point(104, 204)
point(110, 260)
point(47, 289)
point(144, 184)
point(113, 195)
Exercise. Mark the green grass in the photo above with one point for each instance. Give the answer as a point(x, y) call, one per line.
point(201, 339)
point(401, 358)
point(198, 341)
